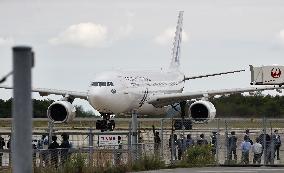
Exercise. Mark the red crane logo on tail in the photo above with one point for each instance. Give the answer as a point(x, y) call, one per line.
point(275, 72)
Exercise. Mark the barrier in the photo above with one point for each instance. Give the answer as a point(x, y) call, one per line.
point(217, 133)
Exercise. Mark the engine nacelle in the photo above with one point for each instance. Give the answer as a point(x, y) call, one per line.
point(202, 111)
point(61, 111)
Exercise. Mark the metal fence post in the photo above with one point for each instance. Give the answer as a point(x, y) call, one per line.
point(129, 153)
point(227, 143)
point(22, 110)
point(129, 135)
point(172, 142)
point(264, 141)
point(272, 145)
point(50, 131)
point(91, 147)
point(162, 138)
point(139, 142)
point(134, 134)
point(129, 143)
point(183, 133)
point(218, 142)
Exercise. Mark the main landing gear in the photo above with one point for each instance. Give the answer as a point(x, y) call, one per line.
point(180, 124)
point(106, 124)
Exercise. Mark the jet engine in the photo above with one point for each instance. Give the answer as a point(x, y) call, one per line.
point(61, 111)
point(202, 111)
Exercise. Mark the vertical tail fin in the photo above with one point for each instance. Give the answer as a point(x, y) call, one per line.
point(177, 44)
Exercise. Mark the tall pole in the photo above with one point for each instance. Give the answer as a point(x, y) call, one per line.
point(22, 110)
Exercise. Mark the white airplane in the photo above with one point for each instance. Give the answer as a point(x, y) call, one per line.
point(146, 92)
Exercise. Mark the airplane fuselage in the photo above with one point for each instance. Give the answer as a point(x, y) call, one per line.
point(123, 91)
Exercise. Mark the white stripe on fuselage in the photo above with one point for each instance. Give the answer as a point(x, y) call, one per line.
point(121, 91)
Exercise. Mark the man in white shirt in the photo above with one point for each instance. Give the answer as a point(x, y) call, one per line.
point(257, 152)
point(245, 147)
point(42, 145)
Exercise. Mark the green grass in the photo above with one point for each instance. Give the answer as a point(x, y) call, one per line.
point(167, 124)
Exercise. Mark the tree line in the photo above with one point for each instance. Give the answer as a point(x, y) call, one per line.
point(234, 105)
point(39, 109)
point(256, 106)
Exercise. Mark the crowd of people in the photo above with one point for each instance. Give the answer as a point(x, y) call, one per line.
point(264, 144)
point(50, 152)
point(57, 152)
point(179, 145)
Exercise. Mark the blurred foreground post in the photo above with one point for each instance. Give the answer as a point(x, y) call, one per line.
point(22, 110)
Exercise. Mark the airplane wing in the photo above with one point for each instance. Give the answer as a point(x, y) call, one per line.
point(212, 74)
point(168, 99)
point(47, 91)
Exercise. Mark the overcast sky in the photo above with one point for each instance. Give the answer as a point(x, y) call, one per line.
point(74, 40)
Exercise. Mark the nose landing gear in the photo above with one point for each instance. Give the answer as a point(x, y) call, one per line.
point(106, 124)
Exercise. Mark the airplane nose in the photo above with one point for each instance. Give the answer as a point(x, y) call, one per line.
point(97, 94)
point(107, 100)
point(101, 99)
point(97, 98)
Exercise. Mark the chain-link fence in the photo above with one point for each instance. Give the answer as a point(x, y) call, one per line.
point(232, 142)
point(225, 136)
point(252, 141)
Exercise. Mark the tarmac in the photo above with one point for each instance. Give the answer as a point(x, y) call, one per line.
point(221, 170)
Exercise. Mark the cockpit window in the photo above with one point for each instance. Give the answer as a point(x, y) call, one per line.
point(109, 84)
point(102, 84)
